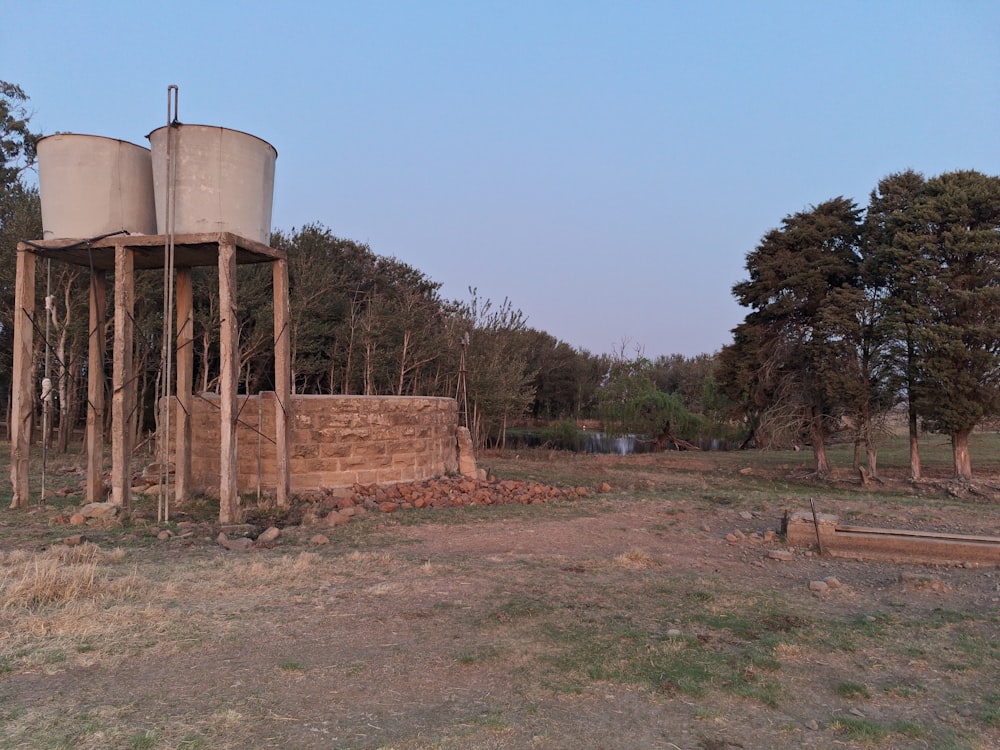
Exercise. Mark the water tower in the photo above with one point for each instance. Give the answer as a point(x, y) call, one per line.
point(201, 196)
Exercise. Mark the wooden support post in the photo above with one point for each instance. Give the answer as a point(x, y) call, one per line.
point(22, 395)
point(123, 379)
point(282, 379)
point(229, 498)
point(95, 387)
point(184, 296)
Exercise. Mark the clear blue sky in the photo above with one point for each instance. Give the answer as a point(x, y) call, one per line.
point(606, 166)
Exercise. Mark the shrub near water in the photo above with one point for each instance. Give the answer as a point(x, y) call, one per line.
point(562, 435)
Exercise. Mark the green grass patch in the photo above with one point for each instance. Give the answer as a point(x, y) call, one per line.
point(907, 691)
point(520, 607)
point(859, 730)
point(989, 712)
point(852, 690)
point(734, 653)
point(479, 654)
point(492, 720)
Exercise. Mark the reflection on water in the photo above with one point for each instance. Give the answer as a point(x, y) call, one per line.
point(598, 442)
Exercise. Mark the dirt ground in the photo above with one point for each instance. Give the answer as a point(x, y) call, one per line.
point(464, 628)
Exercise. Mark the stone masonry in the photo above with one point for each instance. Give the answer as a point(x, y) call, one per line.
point(335, 441)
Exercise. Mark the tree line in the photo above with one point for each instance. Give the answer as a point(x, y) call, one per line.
point(854, 313)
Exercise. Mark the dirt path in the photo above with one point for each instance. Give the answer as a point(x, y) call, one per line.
point(456, 634)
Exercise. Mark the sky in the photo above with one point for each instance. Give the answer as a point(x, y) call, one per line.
point(605, 166)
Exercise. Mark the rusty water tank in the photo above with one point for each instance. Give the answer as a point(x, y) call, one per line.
point(90, 185)
point(223, 180)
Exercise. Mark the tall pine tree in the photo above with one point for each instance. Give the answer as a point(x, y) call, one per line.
point(793, 337)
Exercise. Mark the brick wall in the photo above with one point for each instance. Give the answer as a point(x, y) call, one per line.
point(335, 441)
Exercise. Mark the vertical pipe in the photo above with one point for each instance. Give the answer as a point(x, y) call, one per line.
point(163, 505)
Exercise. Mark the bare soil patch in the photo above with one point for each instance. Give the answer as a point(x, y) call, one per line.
point(616, 619)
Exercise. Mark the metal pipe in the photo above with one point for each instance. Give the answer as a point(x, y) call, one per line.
point(163, 509)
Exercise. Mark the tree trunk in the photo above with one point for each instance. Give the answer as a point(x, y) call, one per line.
point(911, 357)
point(402, 363)
point(960, 451)
point(914, 446)
point(62, 391)
point(872, 459)
point(206, 350)
point(818, 436)
point(819, 455)
point(68, 407)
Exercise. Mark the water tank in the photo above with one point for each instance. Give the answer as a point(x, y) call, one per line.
point(224, 181)
point(90, 185)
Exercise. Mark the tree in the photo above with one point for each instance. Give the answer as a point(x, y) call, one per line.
point(792, 339)
point(559, 374)
point(954, 249)
point(20, 218)
point(500, 384)
point(20, 210)
point(630, 403)
point(891, 271)
point(17, 141)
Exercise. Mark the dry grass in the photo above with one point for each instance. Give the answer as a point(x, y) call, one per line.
point(635, 559)
point(61, 576)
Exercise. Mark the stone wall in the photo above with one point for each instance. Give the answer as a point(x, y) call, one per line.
point(335, 441)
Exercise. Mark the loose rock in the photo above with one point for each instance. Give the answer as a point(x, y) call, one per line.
point(336, 518)
point(269, 535)
point(99, 511)
point(923, 581)
point(239, 544)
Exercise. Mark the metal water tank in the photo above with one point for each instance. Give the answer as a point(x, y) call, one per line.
point(90, 186)
point(223, 180)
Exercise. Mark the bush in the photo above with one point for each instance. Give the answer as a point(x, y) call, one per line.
point(563, 435)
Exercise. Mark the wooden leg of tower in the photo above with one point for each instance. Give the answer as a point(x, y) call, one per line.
point(282, 378)
point(184, 296)
point(123, 379)
point(228, 354)
point(95, 388)
point(22, 393)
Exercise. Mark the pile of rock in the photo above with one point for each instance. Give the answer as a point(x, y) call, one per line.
point(460, 492)
point(91, 514)
point(334, 507)
point(338, 506)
